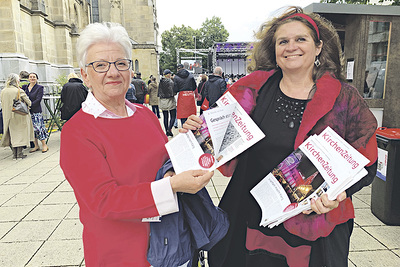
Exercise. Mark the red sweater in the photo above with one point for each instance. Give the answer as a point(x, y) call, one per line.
point(110, 164)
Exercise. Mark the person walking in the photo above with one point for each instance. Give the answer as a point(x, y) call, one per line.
point(200, 90)
point(153, 95)
point(35, 94)
point(215, 87)
point(18, 129)
point(73, 93)
point(167, 101)
point(184, 86)
point(140, 87)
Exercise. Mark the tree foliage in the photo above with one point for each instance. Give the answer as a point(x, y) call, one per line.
point(394, 3)
point(212, 30)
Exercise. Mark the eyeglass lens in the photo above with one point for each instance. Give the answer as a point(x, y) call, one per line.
point(104, 66)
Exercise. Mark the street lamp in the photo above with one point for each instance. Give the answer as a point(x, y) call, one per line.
point(194, 50)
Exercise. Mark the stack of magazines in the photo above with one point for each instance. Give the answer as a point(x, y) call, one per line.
point(227, 131)
point(324, 163)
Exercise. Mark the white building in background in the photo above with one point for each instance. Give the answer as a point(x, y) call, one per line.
point(40, 35)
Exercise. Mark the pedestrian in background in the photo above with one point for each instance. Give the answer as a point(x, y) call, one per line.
point(167, 101)
point(149, 81)
point(200, 90)
point(73, 93)
point(215, 87)
point(130, 94)
point(35, 94)
point(153, 95)
point(140, 87)
point(18, 129)
point(23, 78)
point(184, 86)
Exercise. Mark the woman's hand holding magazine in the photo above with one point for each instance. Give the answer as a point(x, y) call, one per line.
point(313, 178)
point(324, 205)
point(192, 123)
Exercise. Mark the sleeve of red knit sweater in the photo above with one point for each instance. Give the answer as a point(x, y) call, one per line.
point(88, 171)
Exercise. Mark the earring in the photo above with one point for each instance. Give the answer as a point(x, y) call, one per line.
point(317, 62)
point(277, 66)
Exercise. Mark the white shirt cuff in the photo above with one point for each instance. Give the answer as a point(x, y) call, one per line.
point(165, 199)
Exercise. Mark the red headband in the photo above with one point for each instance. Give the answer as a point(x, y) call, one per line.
point(304, 16)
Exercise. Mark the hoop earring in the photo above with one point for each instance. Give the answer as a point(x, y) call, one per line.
point(317, 62)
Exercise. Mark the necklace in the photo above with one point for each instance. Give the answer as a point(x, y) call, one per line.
point(290, 110)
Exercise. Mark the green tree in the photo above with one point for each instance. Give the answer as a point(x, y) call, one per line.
point(176, 37)
point(394, 3)
point(211, 31)
point(60, 81)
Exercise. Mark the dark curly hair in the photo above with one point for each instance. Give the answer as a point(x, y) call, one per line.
point(331, 57)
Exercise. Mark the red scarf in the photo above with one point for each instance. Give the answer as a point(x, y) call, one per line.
point(313, 226)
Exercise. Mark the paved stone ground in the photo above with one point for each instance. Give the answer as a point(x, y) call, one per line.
point(39, 223)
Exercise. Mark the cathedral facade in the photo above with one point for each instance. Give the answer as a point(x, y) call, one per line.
point(40, 35)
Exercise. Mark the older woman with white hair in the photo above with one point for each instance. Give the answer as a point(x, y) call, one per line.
point(111, 150)
point(18, 129)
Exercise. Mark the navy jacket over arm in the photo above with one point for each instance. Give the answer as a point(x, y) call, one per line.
point(197, 225)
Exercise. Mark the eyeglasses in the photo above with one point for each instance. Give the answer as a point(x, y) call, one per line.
point(104, 66)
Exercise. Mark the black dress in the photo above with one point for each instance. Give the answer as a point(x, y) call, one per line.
point(279, 117)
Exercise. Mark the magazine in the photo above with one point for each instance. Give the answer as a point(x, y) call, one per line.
point(227, 131)
point(324, 163)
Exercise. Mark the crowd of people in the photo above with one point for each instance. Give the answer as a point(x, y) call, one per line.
point(296, 60)
point(176, 95)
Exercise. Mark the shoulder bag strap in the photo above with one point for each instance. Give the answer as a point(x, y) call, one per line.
point(18, 96)
point(201, 89)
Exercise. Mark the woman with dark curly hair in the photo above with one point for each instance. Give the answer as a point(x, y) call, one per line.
point(296, 89)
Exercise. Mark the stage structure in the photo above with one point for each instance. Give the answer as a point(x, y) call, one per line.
point(192, 64)
point(231, 56)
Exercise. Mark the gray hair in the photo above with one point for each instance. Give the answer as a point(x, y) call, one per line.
point(12, 80)
point(218, 70)
point(102, 32)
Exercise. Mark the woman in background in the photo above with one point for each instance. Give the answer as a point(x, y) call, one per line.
point(18, 130)
point(153, 92)
point(167, 101)
point(201, 91)
point(35, 94)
